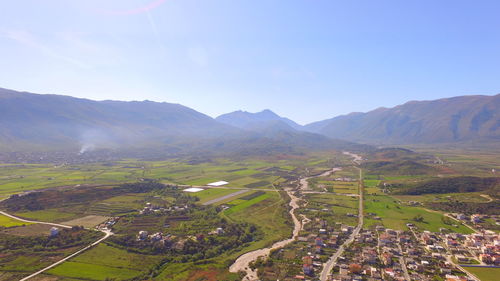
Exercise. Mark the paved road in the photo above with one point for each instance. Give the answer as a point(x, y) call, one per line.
point(30, 221)
point(225, 197)
point(470, 275)
point(106, 232)
point(327, 268)
point(402, 261)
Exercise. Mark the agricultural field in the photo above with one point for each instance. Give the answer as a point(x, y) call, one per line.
point(92, 271)
point(35, 229)
point(268, 211)
point(104, 261)
point(23, 254)
point(47, 215)
point(87, 221)
point(332, 208)
point(392, 214)
point(475, 197)
point(212, 193)
point(10, 222)
point(485, 274)
point(248, 173)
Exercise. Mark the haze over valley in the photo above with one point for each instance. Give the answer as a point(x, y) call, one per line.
point(291, 140)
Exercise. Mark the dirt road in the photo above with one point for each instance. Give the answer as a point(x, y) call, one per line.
point(242, 263)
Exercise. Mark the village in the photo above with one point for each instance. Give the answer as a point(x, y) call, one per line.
point(387, 254)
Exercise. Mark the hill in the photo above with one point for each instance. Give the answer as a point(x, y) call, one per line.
point(450, 120)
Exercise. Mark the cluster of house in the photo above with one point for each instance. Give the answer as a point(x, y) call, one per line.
point(108, 224)
point(169, 240)
point(482, 247)
point(376, 258)
point(477, 219)
point(324, 240)
point(386, 254)
point(151, 209)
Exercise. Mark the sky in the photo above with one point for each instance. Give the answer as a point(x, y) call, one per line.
point(308, 60)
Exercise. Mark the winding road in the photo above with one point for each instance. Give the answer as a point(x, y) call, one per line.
point(243, 262)
point(106, 232)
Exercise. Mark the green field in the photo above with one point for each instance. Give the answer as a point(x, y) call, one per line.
point(49, 215)
point(92, 271)
point(212, 193)
point(462, 197)
point(269, 213)
point(396, 216)
point(338, 206)
point(485, 274)
point(10, 222)
point(240, 205)
point(254, 172)
point(105, 255)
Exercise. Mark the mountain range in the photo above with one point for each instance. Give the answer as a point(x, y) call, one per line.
point(33, 122)
point(40, 122)
point(449, 120)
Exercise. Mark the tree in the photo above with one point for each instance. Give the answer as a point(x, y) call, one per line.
point(418, 218)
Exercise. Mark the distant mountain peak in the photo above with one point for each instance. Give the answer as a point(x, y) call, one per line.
point(248, 120)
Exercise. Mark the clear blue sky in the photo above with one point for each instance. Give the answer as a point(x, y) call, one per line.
point(307, 60)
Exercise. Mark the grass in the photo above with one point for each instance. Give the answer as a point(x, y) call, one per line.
point(106, 255)
point(92, 271)
point(340, 206)
point(395, 215)
point(462, 197)
point(240, 206)
point(36, 229)
point(485, 274)
point(212, 193)
point(251, 171)
point(270, 215)
point(87, 221)
point(10, 222)
point(49, 215)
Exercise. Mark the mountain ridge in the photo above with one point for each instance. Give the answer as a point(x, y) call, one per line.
point(32, 122)
point(448, 120)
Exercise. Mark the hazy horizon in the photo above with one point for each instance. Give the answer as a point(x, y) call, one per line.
point(304, 60)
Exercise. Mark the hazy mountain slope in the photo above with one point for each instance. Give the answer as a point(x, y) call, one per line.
point(248, 120)
point(52, 119)
point(31, 122)
point(457, 119)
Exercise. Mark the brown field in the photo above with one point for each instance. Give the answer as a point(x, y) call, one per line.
point(87, 221)
point(29, 230)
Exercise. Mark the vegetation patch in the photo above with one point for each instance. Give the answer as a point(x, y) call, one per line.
point(87, 221)
point(485, 273)
point(392, 214)
point(10, 222)
point(453, 185)
point(252, 195)
point(258, 184)
point(92, 271)
point(246, 204)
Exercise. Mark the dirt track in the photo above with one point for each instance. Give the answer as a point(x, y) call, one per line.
point(242, 263)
